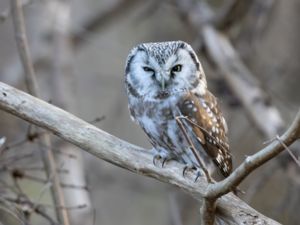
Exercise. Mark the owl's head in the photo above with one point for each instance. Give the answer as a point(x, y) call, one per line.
point(162, 69)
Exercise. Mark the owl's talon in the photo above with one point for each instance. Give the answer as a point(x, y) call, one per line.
point(186, 168)
point(164, 161)
point(198, 174)
point(162, 157)
point(155, 158)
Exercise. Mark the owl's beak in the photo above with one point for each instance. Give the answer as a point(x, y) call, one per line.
point(162, 79)
point(162, 83)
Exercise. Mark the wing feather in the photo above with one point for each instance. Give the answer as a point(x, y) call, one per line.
point(208, 125)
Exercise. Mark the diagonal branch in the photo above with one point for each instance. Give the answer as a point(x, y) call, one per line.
point(111, 149)
point(256, 160)
point(214, 191)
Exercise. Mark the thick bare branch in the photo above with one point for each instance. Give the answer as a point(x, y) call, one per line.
point(230, 209)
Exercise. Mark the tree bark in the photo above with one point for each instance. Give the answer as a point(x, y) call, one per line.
point(230, 209)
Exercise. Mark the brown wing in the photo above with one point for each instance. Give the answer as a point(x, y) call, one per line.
point(209, 126)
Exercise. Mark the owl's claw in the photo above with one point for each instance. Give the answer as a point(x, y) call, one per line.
point(155, 158)
point(162, 157)
point(188, 168)
point(164, 161)
point(198, 174)
point(192, 168)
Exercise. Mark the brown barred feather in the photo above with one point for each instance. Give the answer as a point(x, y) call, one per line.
point(207, 124)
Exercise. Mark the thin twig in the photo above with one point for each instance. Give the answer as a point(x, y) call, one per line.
point(288, 150)
point(256, 160)
point(6, 13)
point(31, 83)
point(21, 202)
point(194, 150)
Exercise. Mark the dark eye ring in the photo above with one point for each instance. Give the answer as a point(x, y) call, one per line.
point(148, 69)
point(176, 68)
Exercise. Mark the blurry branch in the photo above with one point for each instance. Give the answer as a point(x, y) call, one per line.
point(239, 78)
point(255, 23)
point(232, 11)
point(111, 149)
point(242, 82)
point(61, 79)
point(22, 44)
point(27, 207)
point(79, 36)
point(7, 12)
point(100, 20)
point(31, 83)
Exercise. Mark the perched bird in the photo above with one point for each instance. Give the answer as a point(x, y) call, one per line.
point(168, 97)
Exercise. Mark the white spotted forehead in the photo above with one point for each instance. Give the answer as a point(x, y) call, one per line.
point(162, 51)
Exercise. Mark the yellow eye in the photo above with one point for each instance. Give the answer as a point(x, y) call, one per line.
point(176, 68)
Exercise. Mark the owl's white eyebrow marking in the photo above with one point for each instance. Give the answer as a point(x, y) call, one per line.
point(170, 61)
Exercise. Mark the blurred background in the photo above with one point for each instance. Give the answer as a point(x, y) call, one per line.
point(250, 53)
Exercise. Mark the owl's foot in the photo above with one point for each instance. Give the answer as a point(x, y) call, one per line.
point(191, 168)
point(163, 157)
point(198, 171)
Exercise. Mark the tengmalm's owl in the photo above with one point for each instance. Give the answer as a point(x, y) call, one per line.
point(169, 99)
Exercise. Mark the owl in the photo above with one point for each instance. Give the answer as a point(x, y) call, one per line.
point(168, 98)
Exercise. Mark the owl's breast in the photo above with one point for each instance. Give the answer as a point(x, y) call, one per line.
point(154, 116)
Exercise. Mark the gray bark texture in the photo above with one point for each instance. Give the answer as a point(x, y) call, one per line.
point(230, 209)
